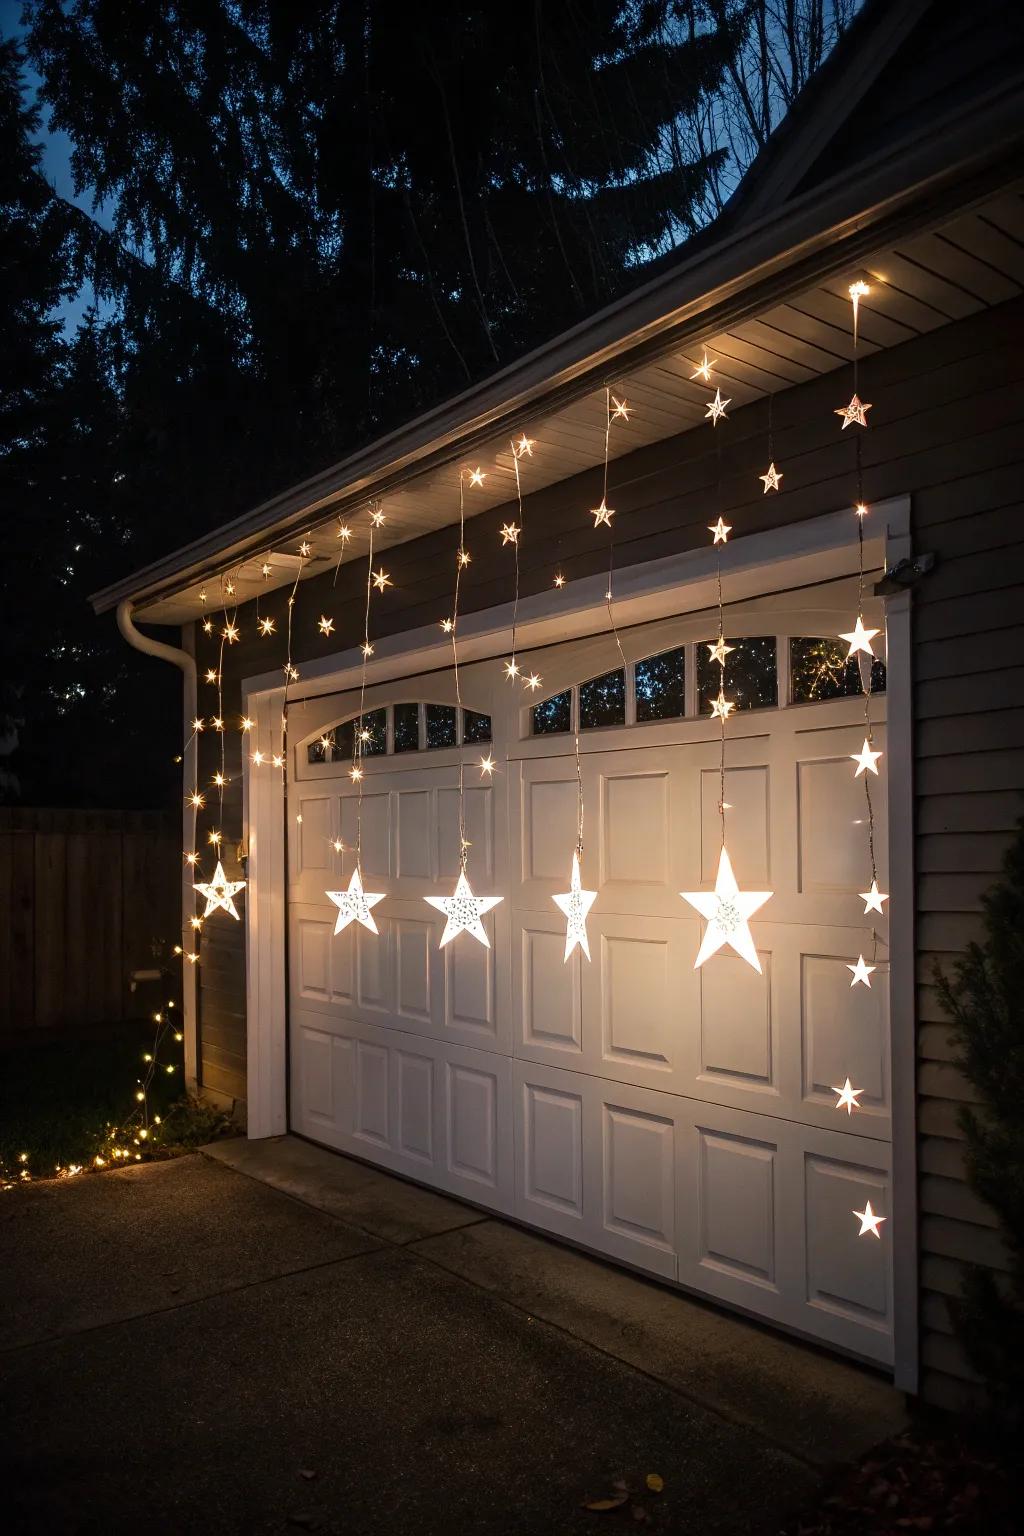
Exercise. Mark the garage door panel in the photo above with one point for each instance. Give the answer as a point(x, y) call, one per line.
point(546, 1002)
point(479, 818)
point(735, 1048)
point(414, 835)
point(637, 1137)
point(550, 1141)
point(748, 814)
point(737, 1179)
point(371, 830)
point(844, 1028)
point(415, 1095)
point(848, 1279)
point(639, 997)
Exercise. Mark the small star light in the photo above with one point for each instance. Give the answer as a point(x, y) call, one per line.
point(865, 758)
point(211, 675)
point(721, 708)
point(721, 531)
point(855, 414)
point(207, 626)
point(719, 651)
point(377, 518)
point(559, 580)
point(872, 899)
point(291, 672)
point(861, 972)
point(532, 682)
point(381, 579)
point(277, 761)
point(771, 478)
point(524, 447)
point(230, 633)
point(366, 648)
point(512, 669)
point(716, 408)
point(602, 514)
point(344, 532)
point(354, 904)
point(509, 533)
point(267, 626)
point(217, 723)
point(869, 1221)
point(196, 800)
point(620, 410)
point(220, 892)
point(848, 1097)
point(197, 725)
point(487, 766)
point(305, 549)
point(575, 903)
point(477, 476)
point(859, 639)
point(447, 625)
point(704, 367)
point(230, 589)
point(326, 625)
point(464, 558)
point(728, 911)
point(463, 911)
point(257, 759)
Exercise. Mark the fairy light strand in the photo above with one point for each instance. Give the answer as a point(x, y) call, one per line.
point(609, 595)
point(460, 563)
point(358, 745)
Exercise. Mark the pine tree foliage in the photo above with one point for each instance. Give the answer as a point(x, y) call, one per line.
point(985, 1000)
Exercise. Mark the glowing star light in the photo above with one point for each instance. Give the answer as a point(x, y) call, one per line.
point(602, 514)
point(575, 903)
point(267, 626)
point(326, 625)
point(620, 410)
point(354, 905)
point(869, 1221)
point(861, 972)
point(872, 899)
point(559, 580)
point(305, 549)
point(377, 518)
point(344, 532)
point(716, 408)
point(721, 708)
point(381, 579)
point(509, 533)
point(728, 911)
point(848, 1097)
point(477, 476)
point(859, 639)
point(532, 682)
point(865, 759)
point(771, 479)
point(487, 766)
point(719, 651)
point(721, 531)
point(463, 911)
point(524, 447)
point(855, 414)
point(220, 892)
point(704, 367)
point(447, 625)
point(512, 670)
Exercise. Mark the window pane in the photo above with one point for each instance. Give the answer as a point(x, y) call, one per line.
point(407, 727)
point(317, 752)
point(661, 686)
point(376, 722)
point(820, 669)
point(603, 701)
point(475, 727)
point(440, 725)
point(554, 715)
point(750, 674)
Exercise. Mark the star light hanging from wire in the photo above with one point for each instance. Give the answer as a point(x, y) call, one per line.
point(872, 899)
point(716, 408)
point(602, 514)
point(861, 972)
point(869, 1220)
point(575, 903)
point(848, 1097)
point(728, 911)
point(509, 533)
point(855, 414)
point(355, 904)
point(865, 759)
point(859, 639)
point(721, 531)
point(463, 912)
point(704, 367)
point(771, 478)
point(220, 892)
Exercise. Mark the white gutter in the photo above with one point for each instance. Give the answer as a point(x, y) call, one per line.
point(186, 663)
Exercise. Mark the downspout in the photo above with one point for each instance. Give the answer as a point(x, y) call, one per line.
point(187, 665)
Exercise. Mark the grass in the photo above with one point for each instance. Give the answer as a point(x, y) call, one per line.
point(66, 1102)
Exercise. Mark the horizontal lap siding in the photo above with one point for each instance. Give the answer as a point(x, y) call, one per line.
point(947, 418)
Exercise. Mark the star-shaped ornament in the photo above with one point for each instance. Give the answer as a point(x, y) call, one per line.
point(869, 1221)
point(326, 625)
point(728, 911)
point(220, 892)
point(854, 414)
point(716, 408)
point(721, 531)
point(771, 479)
point(848, 1097)
point(872, 899)
point(559, 580)
point(575, 903)
point(721, 708)
point(509, 533)
point(861, 972)
point(719, 651)
point(524, 447)
point(463, 911)
point(704, 367)
point(859, 639)
point(354, 904)
point(620, 410)
point(532, 682)
point(602, 514)
point(344, 532)
point(512, 669)
point(487, 766)
point(477, 476)
point(447, 625)
point(267, 626)
point(381, 579)
point(305, 549)
point(377, 518)
point(865, 759)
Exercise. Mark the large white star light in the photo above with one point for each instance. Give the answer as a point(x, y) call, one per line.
point(728, 911)
point(575, 903)
point(354, 904)
point(463, 911)
point(220, 892)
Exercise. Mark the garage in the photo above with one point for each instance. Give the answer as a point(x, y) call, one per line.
point(679, 1120)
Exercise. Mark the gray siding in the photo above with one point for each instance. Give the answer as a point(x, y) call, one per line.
point(947, 429)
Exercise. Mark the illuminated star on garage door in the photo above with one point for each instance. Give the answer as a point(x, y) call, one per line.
point(220, 892)
point(463, 911)
point(728, 911)
point(575, 903)
point(354, 904)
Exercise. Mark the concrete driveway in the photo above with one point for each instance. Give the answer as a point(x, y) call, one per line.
point(270, 1338)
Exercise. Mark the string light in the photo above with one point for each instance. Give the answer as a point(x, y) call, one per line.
point(220, 892)
point(477, 476)
point(855, 414)
point(873, 898)
point(559, 580)
point(231, 634)
point(620, 410)
point(716, 409)
point(848, 1097)
point(355, 904)
point(487, 766)
point(267, 626)
point(207, 626)
point(463, 912)
point(869, 1221)
point(865, 759)
point(602, 514)
point(859, 639)
point(576, 904)
point(524, 446)
point(509, 533)
point(326, 625)
point(861, 973)
point(721, 531)
point(703, 368)
point(212, 675)
point(772, 478)
point(381, 579)
point(447, 626)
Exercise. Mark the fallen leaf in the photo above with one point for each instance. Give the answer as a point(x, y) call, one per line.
point(603, 1504)
point(655, 1483)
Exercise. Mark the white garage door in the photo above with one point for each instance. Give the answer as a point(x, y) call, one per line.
point(681, 1121)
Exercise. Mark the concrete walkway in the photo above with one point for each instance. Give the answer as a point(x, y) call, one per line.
point(271, 1338)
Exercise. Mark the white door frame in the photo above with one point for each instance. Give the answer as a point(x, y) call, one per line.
point(780, 559)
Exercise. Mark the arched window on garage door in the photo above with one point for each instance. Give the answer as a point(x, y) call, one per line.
point(413, 726)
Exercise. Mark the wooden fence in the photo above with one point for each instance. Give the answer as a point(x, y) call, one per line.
point(86, 897)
